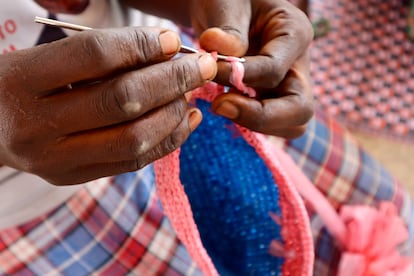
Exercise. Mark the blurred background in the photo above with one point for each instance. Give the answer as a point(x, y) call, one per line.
point(363, 73)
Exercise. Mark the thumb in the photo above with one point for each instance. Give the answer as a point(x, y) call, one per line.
point(226, 27)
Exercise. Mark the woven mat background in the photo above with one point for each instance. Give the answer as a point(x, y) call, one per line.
point(363, 69)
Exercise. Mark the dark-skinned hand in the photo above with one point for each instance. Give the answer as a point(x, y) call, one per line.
point(274, 36)
point(125, 108)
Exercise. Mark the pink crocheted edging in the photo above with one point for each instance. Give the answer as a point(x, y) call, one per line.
point(296, 229)
point(177, 208)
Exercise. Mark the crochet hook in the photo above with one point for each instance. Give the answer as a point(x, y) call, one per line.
point(75, 27)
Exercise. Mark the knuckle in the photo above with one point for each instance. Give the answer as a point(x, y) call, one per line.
point(184, 79)
point(123, 50)
point(137, 142)
point(138, 164)
point(306, 30)
point(276, 80)
point(304, 34)
point(175, 140)
point(277, 74)
point(176, 110)
point(120, 98)
point(134, 141)
point(139, 146)
point(142, 39)
point(308, 33)
point(93, 46)
point(133, 48)
point(302, 31)
point(177, 137)
point(273, 71)
point(175, 78)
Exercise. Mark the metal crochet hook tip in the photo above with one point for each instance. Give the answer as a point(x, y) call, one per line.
point(183, 49)
point(186, 50)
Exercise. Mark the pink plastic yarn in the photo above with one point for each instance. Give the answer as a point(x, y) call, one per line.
point(371, 241)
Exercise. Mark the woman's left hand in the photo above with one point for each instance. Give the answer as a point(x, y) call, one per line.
point(274, 36)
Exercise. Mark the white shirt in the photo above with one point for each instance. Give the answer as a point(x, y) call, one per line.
point(24, 196)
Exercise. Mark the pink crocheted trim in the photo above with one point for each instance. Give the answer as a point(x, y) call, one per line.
point(296, 230)
point(177, 208)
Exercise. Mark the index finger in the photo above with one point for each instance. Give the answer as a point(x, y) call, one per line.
point(91, 55)
point(275, 45)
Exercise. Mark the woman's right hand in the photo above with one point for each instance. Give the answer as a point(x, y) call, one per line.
point(126, 107)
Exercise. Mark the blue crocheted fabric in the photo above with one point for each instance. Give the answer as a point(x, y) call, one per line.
point(231, 192)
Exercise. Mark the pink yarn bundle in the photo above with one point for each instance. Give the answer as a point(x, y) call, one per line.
point(371, 241)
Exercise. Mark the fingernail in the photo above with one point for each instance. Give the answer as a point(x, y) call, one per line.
point(194, 118)
point(228, 110)
point(208, 66)
point(170, 43)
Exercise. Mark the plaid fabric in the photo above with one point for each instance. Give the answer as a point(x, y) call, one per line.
point(109, 227)
point(346, 174)
point(116, 227)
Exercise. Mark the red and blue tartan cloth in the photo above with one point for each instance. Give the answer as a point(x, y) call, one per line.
point(110, 227)
point(346, 174)
point(116, 226)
